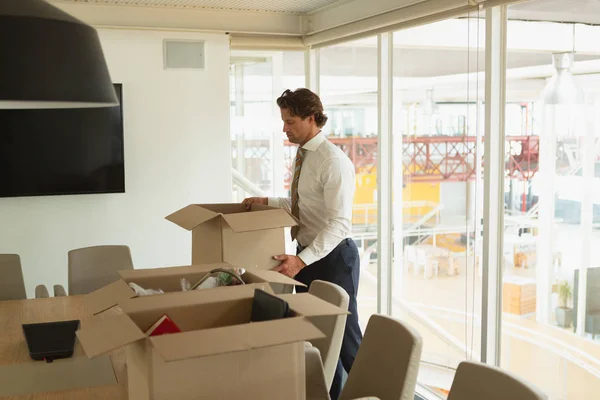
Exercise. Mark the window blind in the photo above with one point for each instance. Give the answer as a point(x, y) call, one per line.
point(408, 16)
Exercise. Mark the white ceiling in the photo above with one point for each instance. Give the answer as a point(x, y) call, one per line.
point(280, 6)
point(582, 11)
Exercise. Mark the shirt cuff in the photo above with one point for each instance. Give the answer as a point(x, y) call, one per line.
point(273, 202)
point(308, 256)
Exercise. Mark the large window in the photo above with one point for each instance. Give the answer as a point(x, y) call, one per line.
point(548, 247)
point(552, 204)
point(260, 161)
point(438, 131)
point(348, 89)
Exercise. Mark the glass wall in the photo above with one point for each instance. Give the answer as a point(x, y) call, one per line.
point(257, 140)
point(552, 206)
point(438, 132)
point(550, 283)
point(348, 89)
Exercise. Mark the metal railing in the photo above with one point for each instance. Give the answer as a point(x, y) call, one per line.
point(422, 210)
point(245, 184)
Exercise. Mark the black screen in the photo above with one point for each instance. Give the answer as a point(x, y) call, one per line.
point(62, 151)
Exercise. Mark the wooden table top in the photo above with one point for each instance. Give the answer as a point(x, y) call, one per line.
point(13, 349)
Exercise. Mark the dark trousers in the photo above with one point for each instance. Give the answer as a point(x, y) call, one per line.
point(342, 267)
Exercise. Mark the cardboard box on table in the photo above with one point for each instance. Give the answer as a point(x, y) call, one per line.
point(229, 233)
point(168, 279)
point(220, 354)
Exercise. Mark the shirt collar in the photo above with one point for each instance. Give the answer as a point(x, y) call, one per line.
point(314, 143)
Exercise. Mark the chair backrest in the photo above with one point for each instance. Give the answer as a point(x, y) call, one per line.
point(41, 292)
point(474, 381)
point(12, 286)
point(91, 268)
point(387, 363)
point(316, 385)
point(59, 291)
point(332, 327)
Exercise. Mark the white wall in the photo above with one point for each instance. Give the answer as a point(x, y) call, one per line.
point(177, 151)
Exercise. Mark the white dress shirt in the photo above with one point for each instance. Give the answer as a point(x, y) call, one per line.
point(325, 197)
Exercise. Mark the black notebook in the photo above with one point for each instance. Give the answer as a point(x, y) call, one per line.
point(266, 307)
point(51, 340)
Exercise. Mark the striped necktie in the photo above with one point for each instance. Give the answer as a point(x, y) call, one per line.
point(297, 169)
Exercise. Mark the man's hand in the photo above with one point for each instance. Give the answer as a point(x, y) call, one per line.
point(290, 265)
point(255, 200)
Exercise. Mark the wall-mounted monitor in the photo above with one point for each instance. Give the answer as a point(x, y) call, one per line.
point(62, 151)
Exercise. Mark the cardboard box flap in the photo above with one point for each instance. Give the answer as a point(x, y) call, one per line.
point(261, 207)
point(225, 208)
point(235, 338)
point(109, 334)
point(191, 216)
point(272, 277)
point(258, 220)
point(309, 305)
point(108, 296)
point(133, 274)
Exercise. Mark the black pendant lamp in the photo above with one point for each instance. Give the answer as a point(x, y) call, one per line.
point(49, 59)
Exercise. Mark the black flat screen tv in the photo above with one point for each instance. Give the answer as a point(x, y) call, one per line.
point(62, 151)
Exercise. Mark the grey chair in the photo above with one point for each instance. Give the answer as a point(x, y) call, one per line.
point(59, 291)
point(333, 327)
point(475, 381)
point(316, 385)
point(91, 268)
point(387, 363)
point(41, 292)
point(12, 286)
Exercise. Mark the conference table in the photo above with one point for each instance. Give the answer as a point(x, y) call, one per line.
point(13, 349)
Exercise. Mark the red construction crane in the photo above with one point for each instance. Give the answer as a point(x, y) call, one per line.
point(437, 158)
point(425, 158)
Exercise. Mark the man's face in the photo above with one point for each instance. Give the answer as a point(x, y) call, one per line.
point(298, 130)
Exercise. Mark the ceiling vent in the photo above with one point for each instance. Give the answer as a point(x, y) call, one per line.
point(184, 54)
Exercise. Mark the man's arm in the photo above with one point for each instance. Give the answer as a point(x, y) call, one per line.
point(337, 177)
point(281, 202)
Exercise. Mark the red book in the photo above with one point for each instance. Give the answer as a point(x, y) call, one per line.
point(163, 326)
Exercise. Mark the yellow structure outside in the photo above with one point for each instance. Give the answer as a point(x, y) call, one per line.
point(365, 198)
point(413, 195)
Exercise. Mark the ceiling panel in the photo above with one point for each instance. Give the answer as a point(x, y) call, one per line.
point(582, 11)
point(282, 6)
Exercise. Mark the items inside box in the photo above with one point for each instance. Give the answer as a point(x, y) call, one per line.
point(140, 291)
point(163, 326)
point(262, 307)
point(266, 307)
point(197, 316)
point(217, 277)
point(144, 286)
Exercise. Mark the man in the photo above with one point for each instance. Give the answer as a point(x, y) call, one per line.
point(322, 193)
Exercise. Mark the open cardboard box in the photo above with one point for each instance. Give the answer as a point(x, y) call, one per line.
point(219, 353)
point(229, 233)
point(168, 279)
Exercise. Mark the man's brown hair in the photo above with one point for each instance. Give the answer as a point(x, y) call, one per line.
point(303, 103)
